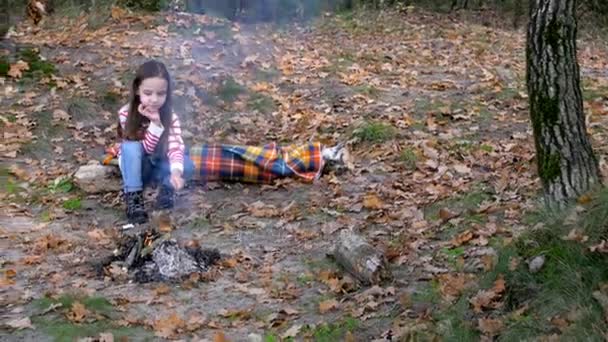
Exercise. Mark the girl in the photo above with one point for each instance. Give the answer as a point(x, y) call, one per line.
point(152, 148)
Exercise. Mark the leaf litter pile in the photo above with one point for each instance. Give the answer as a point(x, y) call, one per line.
point(433, 109)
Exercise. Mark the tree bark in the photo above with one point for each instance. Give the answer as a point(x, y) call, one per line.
point(566, 164)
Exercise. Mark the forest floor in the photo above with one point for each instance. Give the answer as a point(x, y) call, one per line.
point(434, 110)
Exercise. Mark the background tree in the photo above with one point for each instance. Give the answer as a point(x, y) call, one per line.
point(567, 166)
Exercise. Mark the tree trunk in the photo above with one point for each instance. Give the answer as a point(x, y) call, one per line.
point(567, 166)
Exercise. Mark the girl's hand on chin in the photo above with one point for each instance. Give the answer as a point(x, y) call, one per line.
point(149, 113)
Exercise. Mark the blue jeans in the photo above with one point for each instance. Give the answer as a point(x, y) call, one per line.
point(139, 169)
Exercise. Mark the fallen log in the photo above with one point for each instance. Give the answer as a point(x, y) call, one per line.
point(359, 258)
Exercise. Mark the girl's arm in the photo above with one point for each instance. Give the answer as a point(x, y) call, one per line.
point(152, 137)
point(175, 147)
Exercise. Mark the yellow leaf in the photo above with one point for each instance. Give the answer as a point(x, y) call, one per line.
point(490, 326)
point(219, 337)
point(372, 202)
point(169, 326)
point(16, 70)
point(162, 290)
point(78, 312)
point(327, 305)
point(118, 13)
point(10, 273)
point(462, 238)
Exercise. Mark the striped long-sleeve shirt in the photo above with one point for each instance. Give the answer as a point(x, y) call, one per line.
point(175, 143)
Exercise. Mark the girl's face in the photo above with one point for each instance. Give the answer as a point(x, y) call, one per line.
point(153, 92)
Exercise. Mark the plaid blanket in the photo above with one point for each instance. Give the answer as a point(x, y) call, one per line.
point(256, 164)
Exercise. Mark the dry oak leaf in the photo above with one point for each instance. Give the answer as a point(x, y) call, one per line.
point(327, 305)
point(490, 326)
point(16, 70)
point(168, 327)
point(78, 313)
point(489, 298)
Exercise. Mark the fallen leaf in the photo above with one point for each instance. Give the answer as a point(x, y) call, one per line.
point(10, 273)
point(576, 235)
point(489, 298)
point(20, 323)
point(16, 70)
point(445, 214)
point(260, 209)
point(601, 247)
point(77, 313)
point(60, 115)
point(97, 234)
point(327, 305)
point(163, 289)
point(560, 323)
point(292, 332)
point(490, 326)
point(452, 285)
point(106, 337)
point(163, 223)
point(219, 337)
point(169, 326)
point(372, 202)
point(462, 238)
point(195, 322)
point(19, 172)
point(230, 262)
point(462, 169)
point(32, 260)
point(117, 13)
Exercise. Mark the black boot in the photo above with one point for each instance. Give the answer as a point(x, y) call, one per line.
point(136, 212)
point(164, 199)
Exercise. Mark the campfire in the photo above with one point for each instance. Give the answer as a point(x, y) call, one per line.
point(151, 256)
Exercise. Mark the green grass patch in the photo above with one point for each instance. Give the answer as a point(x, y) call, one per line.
point(271, 338)
point(4, 66)
point(330, 332)
point(506, 94)
point(453, 326)
point(229, 90)
point(428, 294)
point(72, 204)
point(97, 304)
point(63, 331)
point(409, 157)
point(38, 67)
point(61, 185)
point(261, 103)
point(110, 100)
point(464, 202)
point(594, 93)
point(305, 278)
point(375, 132)
point(486, 148)
point(563, 288)
point(200, 222)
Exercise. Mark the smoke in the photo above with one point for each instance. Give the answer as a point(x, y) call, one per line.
point(267, 10)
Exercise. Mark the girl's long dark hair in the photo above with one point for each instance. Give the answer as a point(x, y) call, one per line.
point(134, 126)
